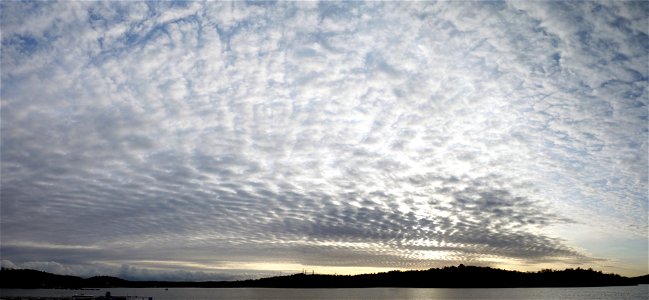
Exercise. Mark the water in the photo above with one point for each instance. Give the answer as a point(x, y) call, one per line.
point(594, 293)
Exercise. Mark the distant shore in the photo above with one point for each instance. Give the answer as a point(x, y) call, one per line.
point(447, 277)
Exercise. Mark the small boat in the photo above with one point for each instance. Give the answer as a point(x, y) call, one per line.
point(82, 296)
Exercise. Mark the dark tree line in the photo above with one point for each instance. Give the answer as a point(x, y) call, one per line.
point(448, 277)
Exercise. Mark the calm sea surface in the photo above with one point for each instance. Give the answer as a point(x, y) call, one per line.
point(605, 293)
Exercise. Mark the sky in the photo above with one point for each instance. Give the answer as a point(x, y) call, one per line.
point(230, 140)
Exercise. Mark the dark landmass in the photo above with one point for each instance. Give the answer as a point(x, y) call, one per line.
point(644, 279)
point(448, 277)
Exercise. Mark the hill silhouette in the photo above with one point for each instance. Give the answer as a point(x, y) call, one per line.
point(447, 277)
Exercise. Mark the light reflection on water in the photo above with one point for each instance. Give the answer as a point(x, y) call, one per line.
point(594, 293)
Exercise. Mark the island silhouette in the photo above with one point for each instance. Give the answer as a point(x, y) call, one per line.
point(447, 277)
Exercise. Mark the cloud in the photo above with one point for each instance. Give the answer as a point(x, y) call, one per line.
point(130, 272)
point(356, 134)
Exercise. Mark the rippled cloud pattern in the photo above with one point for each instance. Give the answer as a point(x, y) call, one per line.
point(224, 140)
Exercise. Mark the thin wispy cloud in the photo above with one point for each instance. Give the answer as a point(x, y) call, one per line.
point(227, 140)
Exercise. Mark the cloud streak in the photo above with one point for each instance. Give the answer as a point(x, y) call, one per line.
point(387, 135)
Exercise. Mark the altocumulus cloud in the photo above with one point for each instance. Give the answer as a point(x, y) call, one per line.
point(229, 140)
